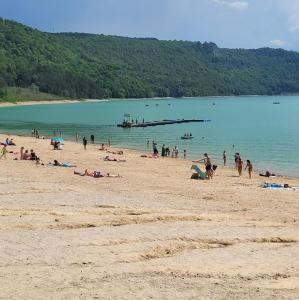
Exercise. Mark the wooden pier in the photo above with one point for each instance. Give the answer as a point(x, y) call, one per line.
point(127, 124)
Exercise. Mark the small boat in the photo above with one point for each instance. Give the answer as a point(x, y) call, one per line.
point(187, 137)
point(276, 102)
point(146, 105)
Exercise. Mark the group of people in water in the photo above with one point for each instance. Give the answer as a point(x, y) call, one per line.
point(210, 167)
point(165, 151)
point(92, 141)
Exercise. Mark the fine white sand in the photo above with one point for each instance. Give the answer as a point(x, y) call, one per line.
point(152, 234)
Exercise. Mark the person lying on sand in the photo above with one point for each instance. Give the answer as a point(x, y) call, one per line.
point(277, 186)
point(268, 174)
point(107, 158)
point(95, 174)
point(115, 152)
point(56, 163)
point(149, 156)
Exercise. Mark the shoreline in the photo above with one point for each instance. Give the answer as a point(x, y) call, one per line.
point(47, 102)
point(139, 152)
point(148, 151)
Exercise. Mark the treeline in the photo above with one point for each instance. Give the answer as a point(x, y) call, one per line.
point(76, 65)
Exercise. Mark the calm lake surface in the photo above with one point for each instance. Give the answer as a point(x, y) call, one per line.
point(261, 131)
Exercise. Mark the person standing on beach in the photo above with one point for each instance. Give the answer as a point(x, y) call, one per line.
point(155, 149)
point(250, 168)
point(208, 163)
point(185, 154)
point(237, 158)
point(77, 137)
point(3, 152)
point(240, 166)
point(176, 151)
point(92, 139)
point(224, 158)
point(22, 153)
point(163, 151)
point(109, 142)
point(84, 142)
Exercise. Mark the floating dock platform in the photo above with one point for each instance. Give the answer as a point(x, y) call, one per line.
point(126, 124)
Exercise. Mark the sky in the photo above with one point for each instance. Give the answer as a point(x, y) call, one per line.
point(228, 23)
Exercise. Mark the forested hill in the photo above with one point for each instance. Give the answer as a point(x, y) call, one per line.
point(79, 65)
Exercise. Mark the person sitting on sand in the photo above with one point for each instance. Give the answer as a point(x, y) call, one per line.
point(9, 142)
point(26, 155)
point(57, 145)
point(32, 155)
point(250, 168)
point(102, 147)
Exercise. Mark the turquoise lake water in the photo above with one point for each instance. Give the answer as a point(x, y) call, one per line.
point(265, 133)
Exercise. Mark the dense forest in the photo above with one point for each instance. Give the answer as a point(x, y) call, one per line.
point(77, 65)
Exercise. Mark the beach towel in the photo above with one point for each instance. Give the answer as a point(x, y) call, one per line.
point(272, 186)
point(201, 174)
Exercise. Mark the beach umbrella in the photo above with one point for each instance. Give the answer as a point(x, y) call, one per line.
point(56, 139)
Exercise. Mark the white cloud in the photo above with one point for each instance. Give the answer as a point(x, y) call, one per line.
point(236, 5)
point(278, 43)
point(291, 9)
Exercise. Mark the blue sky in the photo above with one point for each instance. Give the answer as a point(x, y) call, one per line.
point(229, 23)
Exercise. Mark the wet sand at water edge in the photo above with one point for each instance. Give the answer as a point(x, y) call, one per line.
point(153, 233)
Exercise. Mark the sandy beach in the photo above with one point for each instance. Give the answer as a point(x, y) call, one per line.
point(153, 233)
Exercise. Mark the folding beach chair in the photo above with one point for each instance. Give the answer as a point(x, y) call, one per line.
point(201, 175)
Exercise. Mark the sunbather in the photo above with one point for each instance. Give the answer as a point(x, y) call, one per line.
point(95, 174)
point(268, 174)
point(107, 158)
point(56, 163)
point(115, 152)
